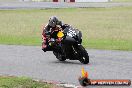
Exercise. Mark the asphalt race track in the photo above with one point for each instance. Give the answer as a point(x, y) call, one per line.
point(33, 62)
point(43, 5)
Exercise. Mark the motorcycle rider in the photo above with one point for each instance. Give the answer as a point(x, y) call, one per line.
point(48, 29)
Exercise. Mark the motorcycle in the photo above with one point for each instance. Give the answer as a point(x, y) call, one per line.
point(66, 44)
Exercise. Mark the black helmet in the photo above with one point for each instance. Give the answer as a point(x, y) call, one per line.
point(53, 21)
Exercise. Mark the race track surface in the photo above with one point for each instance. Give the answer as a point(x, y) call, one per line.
point(43, 5)
point(33, 62)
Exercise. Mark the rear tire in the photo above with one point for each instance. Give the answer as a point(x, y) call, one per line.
point(59, 56)
point(84, 55)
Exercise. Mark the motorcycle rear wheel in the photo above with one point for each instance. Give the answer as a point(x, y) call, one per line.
point(59, 56)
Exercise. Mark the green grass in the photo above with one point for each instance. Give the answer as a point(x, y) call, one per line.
point(103, 28)
point(21, 82)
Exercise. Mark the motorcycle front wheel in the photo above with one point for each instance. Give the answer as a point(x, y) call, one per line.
point(84, 58)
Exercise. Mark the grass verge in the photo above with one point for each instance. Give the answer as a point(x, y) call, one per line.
point(103, 28)
point(21, 82)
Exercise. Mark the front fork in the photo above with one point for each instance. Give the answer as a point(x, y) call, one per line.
point(77, 52)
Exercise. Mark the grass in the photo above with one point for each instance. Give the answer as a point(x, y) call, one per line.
point(21, 82)
point(102, 28)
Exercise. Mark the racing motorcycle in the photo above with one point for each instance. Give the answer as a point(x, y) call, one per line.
point(66, 44)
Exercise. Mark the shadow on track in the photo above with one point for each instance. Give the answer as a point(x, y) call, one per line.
point(68, 62)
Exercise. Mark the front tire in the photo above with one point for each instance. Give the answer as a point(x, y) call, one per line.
point(84, 55)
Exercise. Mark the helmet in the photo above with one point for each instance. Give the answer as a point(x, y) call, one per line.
point(53, 21)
